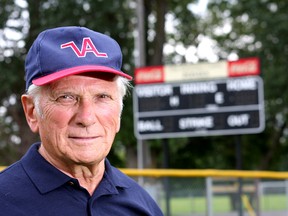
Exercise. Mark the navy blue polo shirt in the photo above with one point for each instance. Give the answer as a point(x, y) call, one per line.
point(32, 186)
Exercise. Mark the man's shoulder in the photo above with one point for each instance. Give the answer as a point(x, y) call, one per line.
point(122, 178)
point(13, 168)
point(131, 185)
point(11, 175)
point(134, 194)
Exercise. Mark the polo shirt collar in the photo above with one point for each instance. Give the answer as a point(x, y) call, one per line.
point(44, 176)
point(47, 178)
point(114, 176)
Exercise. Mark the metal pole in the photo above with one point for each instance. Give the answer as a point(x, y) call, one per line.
point(286, 192)
point(140, 61)
point(209, 196)
point(140, 160)
point(166, 179)
point(239, 167)
point(140, 37)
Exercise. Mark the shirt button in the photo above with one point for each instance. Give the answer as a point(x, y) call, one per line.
point(71, 183)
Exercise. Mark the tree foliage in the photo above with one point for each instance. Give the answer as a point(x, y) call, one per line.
point(244, 29)
point(258, 28)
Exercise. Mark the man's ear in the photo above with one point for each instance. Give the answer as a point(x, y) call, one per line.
point(118, 125)
point(30, 112)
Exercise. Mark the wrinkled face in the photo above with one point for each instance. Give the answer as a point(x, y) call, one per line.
point(79, 117)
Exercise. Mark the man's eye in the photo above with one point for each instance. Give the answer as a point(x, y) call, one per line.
point(66, 99)
point(104, 96)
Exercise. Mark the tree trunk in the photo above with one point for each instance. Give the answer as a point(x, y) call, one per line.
point(275, 143)
point(157, 58)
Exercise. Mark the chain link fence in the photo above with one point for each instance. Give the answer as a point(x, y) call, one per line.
point(216, 192)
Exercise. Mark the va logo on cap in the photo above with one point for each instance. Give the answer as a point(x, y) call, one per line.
point(87, 46)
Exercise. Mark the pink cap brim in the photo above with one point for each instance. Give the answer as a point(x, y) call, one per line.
point(77, 70)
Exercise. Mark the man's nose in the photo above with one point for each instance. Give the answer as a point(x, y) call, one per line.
point(86, 113)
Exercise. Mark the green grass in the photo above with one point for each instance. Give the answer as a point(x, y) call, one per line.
point(274, 202)
point(197, 205)
point(221, 204)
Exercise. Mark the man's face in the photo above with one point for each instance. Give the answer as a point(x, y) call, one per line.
point(79, 117)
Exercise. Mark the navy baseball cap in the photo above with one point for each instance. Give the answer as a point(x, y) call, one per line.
point(64, 51)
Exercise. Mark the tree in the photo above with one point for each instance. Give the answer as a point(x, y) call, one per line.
point(258, 28)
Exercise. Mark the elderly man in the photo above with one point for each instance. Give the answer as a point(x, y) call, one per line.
point(73, 100)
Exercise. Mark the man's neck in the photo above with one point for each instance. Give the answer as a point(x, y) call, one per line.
point(89, 176)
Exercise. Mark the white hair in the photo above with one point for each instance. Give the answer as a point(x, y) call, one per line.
point(123, 84)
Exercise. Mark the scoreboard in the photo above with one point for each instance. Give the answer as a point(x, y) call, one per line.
point(199, 108)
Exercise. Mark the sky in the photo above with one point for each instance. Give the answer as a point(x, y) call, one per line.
point(191, 53)
point(199, 7)
point(206, 48)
